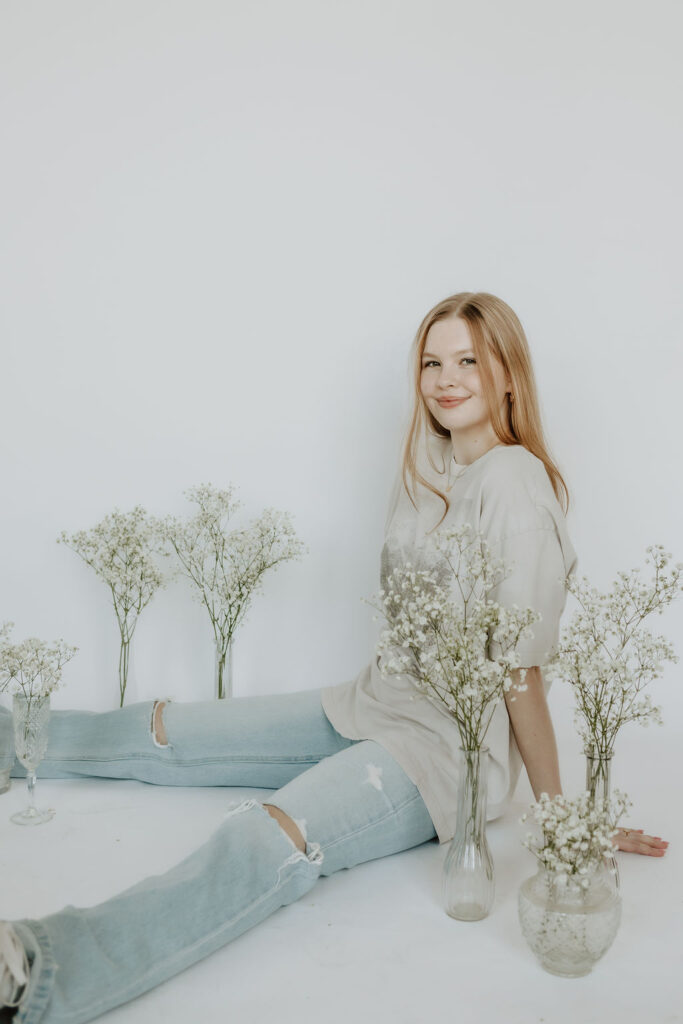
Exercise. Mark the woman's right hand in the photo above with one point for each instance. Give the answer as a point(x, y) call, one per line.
point(634, 840)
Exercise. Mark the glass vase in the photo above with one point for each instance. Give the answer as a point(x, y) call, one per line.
point(569, 927)
point(6, 749)
point(223, 681)
point(31, 717)
point(468, 876)
point(124, 665)
point(128, 683)
point(598, 767)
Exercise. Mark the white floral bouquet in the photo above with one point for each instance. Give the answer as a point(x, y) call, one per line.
point(32, 668)
point(577, 834)
point(227, 566)
point(440, 624)
point(120, 549)
point(608, 657)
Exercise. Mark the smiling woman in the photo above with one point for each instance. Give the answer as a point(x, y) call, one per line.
point(361, 770)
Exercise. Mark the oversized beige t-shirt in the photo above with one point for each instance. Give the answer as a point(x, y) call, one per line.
point(506, 495)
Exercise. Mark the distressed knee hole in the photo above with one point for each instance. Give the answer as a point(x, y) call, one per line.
point(313, 854)
point(158, 730)
point(288, 825)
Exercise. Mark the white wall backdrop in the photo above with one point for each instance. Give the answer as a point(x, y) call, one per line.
point(221, 226)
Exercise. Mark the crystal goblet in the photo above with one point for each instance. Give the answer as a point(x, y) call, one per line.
point(31, 717)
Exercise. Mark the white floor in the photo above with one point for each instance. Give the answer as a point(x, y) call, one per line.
point(372, 944)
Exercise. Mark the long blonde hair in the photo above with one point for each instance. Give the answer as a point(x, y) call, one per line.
point(496, 331)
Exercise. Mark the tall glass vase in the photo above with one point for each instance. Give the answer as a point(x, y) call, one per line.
point(124, 666)
point(223, 683)
point(129, 688)
point(468, 876)
point(31, 716)
point(598, 767)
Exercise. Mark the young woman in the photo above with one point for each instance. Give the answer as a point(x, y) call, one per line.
point(361, 769)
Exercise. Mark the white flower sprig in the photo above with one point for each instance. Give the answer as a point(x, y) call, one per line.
point(441, 642)
point(227, 567)
point(120, 549)
point(32, 668)
point(577, 834)
point(608, 657)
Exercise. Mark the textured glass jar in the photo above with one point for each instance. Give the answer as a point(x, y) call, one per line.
point(568, 927)
point(468, 876)
point(598, 768)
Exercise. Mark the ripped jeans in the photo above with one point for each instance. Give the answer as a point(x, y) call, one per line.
point(350, 800)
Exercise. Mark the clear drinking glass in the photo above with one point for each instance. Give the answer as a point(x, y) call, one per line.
point(31, 716)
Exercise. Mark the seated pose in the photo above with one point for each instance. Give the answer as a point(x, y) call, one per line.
point(361, 770)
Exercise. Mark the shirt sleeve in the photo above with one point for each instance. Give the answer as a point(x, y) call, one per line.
point(536, 581)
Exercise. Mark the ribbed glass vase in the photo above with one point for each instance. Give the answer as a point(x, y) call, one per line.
point(468, 875)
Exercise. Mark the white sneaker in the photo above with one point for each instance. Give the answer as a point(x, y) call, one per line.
point(14, 967)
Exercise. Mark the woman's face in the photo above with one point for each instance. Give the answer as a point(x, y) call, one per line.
point(449, 370)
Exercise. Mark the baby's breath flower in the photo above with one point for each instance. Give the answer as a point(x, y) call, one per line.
point(33, 667)
point(227, 566)
point(440, 624)
point(607, 655)
point(576, 833)
point(120, 550)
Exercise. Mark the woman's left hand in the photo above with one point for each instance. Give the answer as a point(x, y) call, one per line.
point(633, 840)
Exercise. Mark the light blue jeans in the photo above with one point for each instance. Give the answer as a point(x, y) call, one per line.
point(350, 799)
